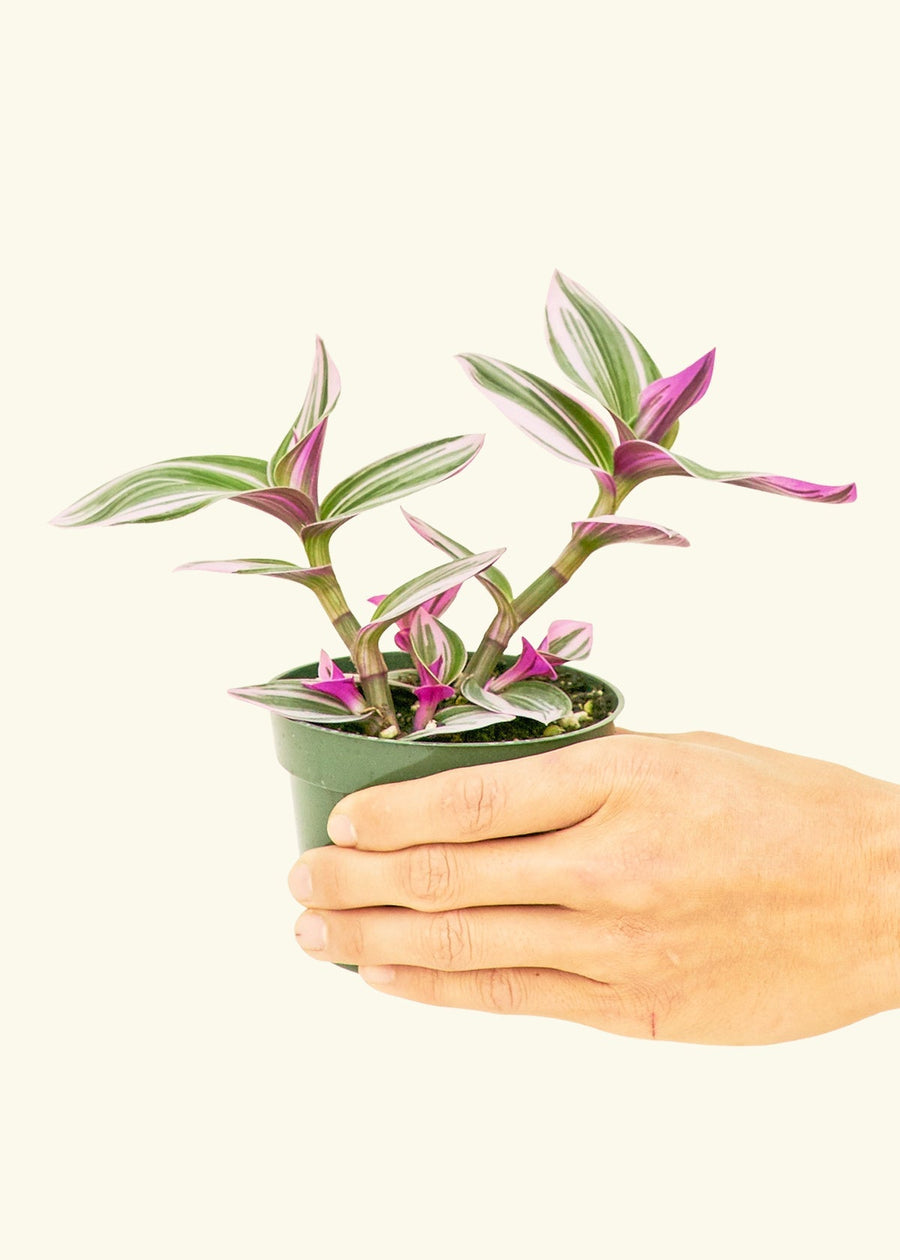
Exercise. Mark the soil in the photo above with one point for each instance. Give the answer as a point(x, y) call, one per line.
point(601, 703)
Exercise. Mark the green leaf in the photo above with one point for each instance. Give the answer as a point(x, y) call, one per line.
point(164, 491)
point(398, 474)
point(595, 349)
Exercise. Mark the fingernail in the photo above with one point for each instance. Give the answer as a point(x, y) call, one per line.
point(378, 975)
point(300, 882)
point(341, 830)
point(310, 932)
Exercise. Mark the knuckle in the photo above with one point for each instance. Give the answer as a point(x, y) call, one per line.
point(450, 940)
point(635, 933)
point(476, 801)
point(500, 990)
point(352, 936)
point(429, 876)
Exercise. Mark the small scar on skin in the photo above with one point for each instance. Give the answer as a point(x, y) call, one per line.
point(653, 1023)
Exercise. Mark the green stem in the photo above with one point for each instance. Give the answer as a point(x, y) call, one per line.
point(374, 682)
point(498, 635)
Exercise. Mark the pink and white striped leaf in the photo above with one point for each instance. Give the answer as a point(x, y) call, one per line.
point(495, 583)
point(601, 531)
point(401, 473)
point(663, 402)
point(316, 579)
point(164, 491)
point(555, 420)
point(534, 699)
point(567, 641)
point(638, 461)
point(531, 664)
point(433, 606)
point(299, 468)
point(332, 681)
point(595, 349)
point(322, 394)
point(458, 718)
point(426, 586)
point(294, 698)
point(293, 507)
point(431, 641)
point(411, 594)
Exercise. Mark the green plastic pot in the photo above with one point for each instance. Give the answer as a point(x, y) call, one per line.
point(326, 764)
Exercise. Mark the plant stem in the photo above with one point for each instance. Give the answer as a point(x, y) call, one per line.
point(498, 635)
point(374, 683)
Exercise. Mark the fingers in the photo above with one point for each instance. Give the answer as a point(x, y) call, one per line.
point(532, 871)
point(544, 792)
point(454, 940)
point(520, 991)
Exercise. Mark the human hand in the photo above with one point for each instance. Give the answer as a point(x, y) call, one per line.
point(685, 887)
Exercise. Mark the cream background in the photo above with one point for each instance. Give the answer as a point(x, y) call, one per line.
point(196, 190)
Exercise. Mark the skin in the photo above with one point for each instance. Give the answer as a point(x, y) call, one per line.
point(683, 887)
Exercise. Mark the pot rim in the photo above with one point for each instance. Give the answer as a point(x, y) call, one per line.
point(397, 659)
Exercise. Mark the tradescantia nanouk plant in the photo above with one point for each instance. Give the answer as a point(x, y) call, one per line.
point(628, 439)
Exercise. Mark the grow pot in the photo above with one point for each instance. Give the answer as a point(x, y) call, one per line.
point(326, 763)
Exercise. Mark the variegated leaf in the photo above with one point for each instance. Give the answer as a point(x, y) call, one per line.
point(484, 699)
point(530, 698)
point(434, 582)
point(638, 461)
point(430, 640)
point(595, 349)
point(316, 579)
point(662, 402)
point(299, 468)
point(601, 531)
point(322, 394)
point(316, 538)
point(410, 595)
point(164, 491)
point(458, 718)
point(567, 641)
point(291, 698)
point(398, 474)
point(293, 507)
point(492, 579)
point(538, 700)
point(555, 420)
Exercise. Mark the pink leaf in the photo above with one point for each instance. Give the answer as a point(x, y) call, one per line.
point(638, 461)
point(662, 402)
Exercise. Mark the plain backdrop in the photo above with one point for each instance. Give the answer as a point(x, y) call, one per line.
point(193, 192)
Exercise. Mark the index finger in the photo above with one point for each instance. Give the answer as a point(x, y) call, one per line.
point(544, 792)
